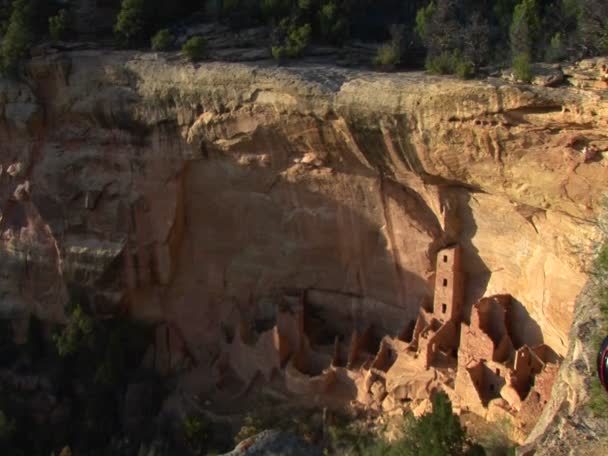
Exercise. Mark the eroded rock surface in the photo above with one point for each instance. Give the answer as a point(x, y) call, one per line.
point(196, 196)
point(274, 443)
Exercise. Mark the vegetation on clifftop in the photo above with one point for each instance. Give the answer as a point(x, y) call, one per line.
point(451, 36)
point(18, 36)
point(194, 48)
point(598, 400)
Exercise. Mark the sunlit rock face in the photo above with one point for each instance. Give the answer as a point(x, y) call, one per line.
point(196, 196)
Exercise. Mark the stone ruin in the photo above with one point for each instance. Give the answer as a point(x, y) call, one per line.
point(475, 363)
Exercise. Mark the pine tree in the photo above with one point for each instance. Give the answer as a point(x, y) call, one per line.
point(525, 28)
point(130, 22)
point(437, 433)
point(19, 35)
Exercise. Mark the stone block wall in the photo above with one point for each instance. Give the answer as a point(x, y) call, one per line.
point(449, 290)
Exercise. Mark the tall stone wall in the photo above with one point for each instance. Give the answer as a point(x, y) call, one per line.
point(449, 285)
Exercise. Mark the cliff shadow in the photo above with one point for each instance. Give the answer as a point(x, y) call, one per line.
point(273, 234)
point(463, 226)
point(522, 328)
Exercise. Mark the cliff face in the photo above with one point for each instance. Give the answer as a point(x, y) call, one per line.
point(198, 195)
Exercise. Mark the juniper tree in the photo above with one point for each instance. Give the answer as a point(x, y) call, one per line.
point(19, 35)
point(525, 28)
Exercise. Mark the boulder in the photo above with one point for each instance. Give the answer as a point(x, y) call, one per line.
point(547, 75)
point(15, 169)
point(274, 443)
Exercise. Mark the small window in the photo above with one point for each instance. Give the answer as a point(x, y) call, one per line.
point(445, 282)
point(491, 387)
point(444, 308)
point(445, 258)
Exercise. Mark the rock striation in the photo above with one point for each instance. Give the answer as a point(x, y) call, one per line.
point(198, 196)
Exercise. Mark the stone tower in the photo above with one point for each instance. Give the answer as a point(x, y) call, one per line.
point(449, 285)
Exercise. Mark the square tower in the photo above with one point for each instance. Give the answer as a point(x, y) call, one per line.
point(449, 285)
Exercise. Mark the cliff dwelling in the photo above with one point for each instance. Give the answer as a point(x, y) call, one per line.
point(340, 361)
point(323, 236)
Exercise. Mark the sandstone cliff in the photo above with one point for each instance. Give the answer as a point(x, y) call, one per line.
point(196, 195)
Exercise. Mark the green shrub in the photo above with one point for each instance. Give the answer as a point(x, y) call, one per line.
point(130, 22)
point(450, 63)
point(601, 273)
point(464, 69)
point(592, 25)
point(7, 430)
point(423, 18)
point(196, 430)
point(598, 399)
point(275, 9)
point(495, 438)
point(195, 48)
point(522, 69)
point(390, 53)
point(162, 40)
point(440, 64)
point(58, 25)
point(557, 50)
point(333, 22)
point(436, 433)
point(296, 41)
point(349, 436)
point(570, 8)
point(278, 53)
point(7, 427)
point(304, 4)
point(230, 6)
point(19, 36)
point(75, 334)
point(525, 27)
point(252, 425)
point(387, 55)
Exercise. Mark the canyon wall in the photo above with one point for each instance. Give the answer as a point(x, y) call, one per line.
point(197, 195)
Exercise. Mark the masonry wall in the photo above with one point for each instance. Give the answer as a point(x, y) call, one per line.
point(302, 384)
point(291, 328)
point(504, 350)
point(445, 340)
point(449, 285)
point(384, 358)
point(249, 360)
point(466, 390)
point(527, 364)
point(422, 322)
point(361, 349)
point(492, 316)
point(494, 379)
point(309, 362)
point(475, 345)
